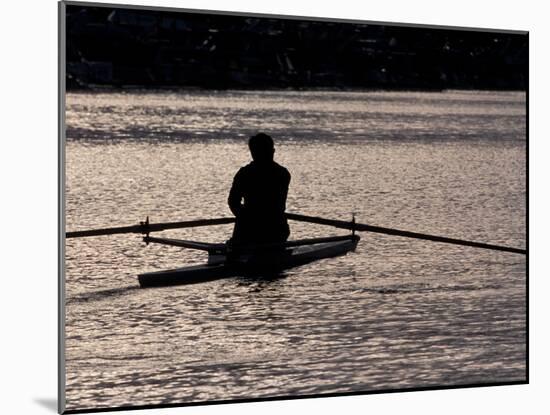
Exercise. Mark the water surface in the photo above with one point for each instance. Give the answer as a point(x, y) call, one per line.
point(397, 313)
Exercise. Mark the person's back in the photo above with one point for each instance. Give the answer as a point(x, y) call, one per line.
point(258, 196)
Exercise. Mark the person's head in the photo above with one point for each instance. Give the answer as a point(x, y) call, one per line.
point(261, 147)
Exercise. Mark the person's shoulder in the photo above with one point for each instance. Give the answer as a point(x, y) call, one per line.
point(246, 168)
point(283, 171)
point(245, 171)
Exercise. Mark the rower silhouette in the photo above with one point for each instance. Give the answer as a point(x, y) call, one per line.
point(258, 196)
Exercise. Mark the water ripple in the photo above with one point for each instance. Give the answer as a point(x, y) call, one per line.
point(397, 313)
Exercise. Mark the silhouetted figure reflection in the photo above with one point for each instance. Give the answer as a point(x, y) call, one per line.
point(258, 196)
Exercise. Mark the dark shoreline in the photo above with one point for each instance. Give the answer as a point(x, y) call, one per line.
point(177, 88)
point(118, 48)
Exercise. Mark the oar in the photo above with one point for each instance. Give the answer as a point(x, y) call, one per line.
point(146, 227)
point(389, 231)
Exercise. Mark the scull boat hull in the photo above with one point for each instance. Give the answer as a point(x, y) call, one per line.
point(218, 268)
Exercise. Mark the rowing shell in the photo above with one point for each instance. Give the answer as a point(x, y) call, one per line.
point(266, 259)
point(295, 253)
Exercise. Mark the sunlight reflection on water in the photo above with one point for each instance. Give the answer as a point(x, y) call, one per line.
point(395, 314)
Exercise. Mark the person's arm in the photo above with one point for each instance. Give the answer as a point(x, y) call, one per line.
point(285, 192)
point(236, 195)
